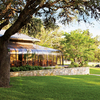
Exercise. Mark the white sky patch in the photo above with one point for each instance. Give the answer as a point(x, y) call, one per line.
point(93, 28)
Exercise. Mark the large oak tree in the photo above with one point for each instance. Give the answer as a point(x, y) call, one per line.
point(21, 11)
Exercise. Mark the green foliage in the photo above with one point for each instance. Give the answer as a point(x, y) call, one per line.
point(73, 64)
point(25, 68)
point(97, 51)
point(47, 68)
point(28, 68)
point(14, 69)
point(77, 64)
point(33, 27)
point(57, 67)
point(50, 38)
point(37, 68)
point(79, 46)
point(49, 23)
point(97, 55)
point(84, 63)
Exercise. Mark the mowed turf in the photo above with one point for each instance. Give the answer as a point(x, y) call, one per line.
point(76, 87)
point(95, 71)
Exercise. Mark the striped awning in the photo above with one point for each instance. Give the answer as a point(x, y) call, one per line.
point(27, 48)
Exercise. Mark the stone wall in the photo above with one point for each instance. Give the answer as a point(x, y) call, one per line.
point(63, 71)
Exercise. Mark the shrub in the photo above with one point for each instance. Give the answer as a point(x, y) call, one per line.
point(84, 63)
point(47, 68)
point(37, 68)
point(21, 68)
point(25, 68)
point(73, 64)
point(13, 69)
point(57, 67)
point(76, 65)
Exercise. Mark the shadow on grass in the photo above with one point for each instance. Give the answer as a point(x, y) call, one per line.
point(76, 87)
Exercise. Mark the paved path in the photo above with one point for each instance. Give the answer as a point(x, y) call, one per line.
point(95, 74)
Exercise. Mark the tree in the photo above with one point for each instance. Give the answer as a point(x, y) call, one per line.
point(37, 27)
point(79, 46)
point(48, 34)
point(97, 55)
point(19, 12)
point(33, 27)
point(97, 50)
point(50, 38)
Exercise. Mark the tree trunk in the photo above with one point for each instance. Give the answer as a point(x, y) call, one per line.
point(75, 60)
point(4, 64)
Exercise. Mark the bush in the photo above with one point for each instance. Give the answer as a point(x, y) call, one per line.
point(47, 68)
point(73, 64)
point(13, 69)
point(76, 65)
point(25, 68)
point(84, 63)
point(21, 68)
point(37, 68)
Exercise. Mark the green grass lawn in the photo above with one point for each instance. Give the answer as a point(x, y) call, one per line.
point(76, 87)
point(94, 70)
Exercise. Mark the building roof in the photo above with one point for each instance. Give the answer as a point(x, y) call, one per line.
point(29, 48)
point(24, 48)
point(19, 36)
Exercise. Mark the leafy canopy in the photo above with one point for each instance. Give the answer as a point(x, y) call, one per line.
point(19, 12)
point(50, 38)
point(79, 46)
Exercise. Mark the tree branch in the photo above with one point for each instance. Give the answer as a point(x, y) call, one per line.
point(4, 24)
point(4, 12)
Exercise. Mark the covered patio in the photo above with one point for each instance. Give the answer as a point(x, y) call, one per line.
point(34, 55)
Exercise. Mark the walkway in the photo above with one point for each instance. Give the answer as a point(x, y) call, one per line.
point(95, 74)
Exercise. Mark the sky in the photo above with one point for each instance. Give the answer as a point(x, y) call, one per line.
point(93, 28)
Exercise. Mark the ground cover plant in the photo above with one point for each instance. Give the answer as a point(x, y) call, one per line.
point(94, 70)
point(76, 87)
point(28, 68)
point(25, 68)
